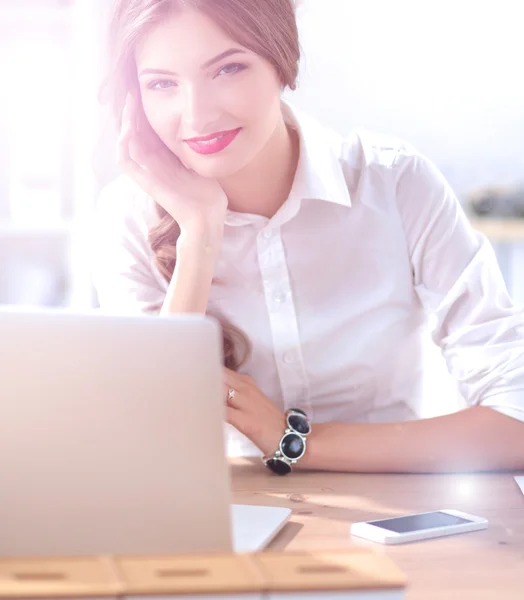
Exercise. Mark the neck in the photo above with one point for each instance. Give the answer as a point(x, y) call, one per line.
point(263, 185)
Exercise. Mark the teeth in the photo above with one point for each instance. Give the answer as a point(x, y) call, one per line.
point(207, 142)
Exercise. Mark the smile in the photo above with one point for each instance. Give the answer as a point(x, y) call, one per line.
point(211, 144)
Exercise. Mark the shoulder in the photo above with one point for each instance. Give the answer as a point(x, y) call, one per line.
point(395, 167)
point(357, 151)
point(369, 150)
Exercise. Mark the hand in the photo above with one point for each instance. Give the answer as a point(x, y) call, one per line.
point(252, 413)
point(193, 201)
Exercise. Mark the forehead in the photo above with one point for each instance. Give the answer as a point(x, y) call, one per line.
point(184, 39)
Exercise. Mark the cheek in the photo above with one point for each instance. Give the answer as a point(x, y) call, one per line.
point(256, 102)
point(162, 120)
point(261, 110)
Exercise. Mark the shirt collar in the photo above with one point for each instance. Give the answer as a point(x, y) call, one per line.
point(319, 174)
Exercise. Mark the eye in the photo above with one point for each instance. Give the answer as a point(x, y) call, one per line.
point(231, 69)
point(161, 84)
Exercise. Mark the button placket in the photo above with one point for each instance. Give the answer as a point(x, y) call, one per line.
point(283, 319)
point(290, 357)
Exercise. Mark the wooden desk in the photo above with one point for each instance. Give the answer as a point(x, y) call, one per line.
point(485, 565)
point(500, 230)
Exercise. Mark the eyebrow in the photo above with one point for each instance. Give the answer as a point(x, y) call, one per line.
point(206, 65)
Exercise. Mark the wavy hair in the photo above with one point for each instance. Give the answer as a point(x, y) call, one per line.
point(266, 27)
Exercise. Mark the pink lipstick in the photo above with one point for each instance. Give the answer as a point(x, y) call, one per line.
point(213, 143)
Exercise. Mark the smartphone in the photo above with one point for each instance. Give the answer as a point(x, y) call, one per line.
point(421, 526)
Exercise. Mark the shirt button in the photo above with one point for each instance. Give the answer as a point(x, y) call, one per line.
point(279, 297)
point(290, 357)
point(268, 234)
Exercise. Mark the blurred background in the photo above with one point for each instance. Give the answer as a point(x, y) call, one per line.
point(446, 76)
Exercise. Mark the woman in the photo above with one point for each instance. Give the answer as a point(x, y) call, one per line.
point(323, 257)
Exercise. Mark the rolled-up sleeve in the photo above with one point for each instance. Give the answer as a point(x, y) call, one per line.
point(458, 281)
point(122, 262)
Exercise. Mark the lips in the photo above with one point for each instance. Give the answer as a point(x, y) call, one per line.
point(213, 143)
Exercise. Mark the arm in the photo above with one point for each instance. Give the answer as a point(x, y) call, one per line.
point(480, 332)
point(124, 270)
point(458, 281)
point(190, 285)
point(474, 439)
point(122, 263)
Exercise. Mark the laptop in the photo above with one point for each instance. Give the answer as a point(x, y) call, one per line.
point(112, 438)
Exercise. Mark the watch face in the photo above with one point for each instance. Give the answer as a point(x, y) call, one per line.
point(278, 466)
point(292, 446)
point(299, 423)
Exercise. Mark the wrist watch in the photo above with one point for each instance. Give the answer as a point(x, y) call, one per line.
point(292, 445)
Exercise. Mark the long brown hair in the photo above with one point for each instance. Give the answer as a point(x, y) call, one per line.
point(266, 27)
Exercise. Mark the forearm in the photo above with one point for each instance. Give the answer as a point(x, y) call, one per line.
point(189, 288)
point(475, 439)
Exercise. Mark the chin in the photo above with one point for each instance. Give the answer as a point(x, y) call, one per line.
point(213, 167)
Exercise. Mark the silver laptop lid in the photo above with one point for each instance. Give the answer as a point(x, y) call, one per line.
point(111, 435)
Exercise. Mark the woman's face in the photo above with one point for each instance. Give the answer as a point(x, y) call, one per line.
point(197, 82)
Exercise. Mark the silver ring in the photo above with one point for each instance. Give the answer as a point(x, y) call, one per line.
point(230, 394)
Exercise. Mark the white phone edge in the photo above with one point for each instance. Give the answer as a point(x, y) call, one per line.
point(368, 531)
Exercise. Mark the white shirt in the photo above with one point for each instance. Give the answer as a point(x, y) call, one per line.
point(337, 291)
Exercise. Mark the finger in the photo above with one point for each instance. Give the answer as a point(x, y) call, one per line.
point(138, 153)
point(234, 399)
point(232, 378)
point(127, 163)
point(232, 381)
point(123, 147)
point(126, 133)
point(127, 136)
point(234, 417)
point(131, 109)
point(242, 422)
point(127, 115)
point(241, 376)
point(148, 136)
point(162, 162)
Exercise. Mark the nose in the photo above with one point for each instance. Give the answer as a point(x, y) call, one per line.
point(199, 112)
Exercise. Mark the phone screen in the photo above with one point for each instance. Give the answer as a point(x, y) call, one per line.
point(412, 523)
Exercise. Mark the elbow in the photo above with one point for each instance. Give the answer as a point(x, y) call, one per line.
point(502, 437)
